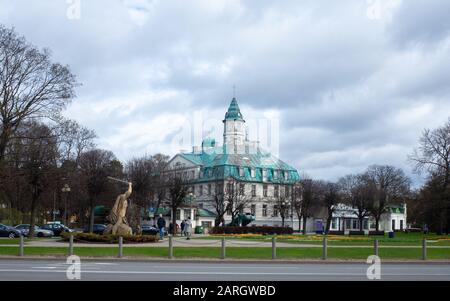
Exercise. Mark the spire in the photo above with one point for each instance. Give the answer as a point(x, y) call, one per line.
point(233, 113)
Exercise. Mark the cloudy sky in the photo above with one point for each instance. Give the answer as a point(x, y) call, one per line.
point(351, 83)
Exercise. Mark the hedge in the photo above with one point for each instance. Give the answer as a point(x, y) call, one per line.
point(356, 233)
point(110, 239)
point(252, 230)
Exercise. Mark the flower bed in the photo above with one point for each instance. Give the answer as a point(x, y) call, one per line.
point(252, 230)
point(109, 239)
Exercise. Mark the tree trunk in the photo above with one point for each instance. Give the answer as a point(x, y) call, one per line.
point(327, 229)
point(304, 218)
point(377, 223)
point(33, 215)
point(174, 221)
point(361, 220)
point(91, 219)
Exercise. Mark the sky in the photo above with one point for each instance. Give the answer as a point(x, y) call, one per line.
point(341, 85)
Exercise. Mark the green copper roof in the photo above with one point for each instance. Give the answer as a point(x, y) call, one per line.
point(217, 164)
point(234, 113)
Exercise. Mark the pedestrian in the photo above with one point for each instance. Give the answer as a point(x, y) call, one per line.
point(425, 229)
point(183, 224)
point(161, 225)
point(188, 228)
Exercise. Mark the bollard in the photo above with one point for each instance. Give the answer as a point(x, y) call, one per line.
point(324, 249)
point(274, 247)
point(21, 246)
point(424, 249)
point(170, 246)
point(71, 245)
point(222, 254)
point(120, 246)
point(375, 247)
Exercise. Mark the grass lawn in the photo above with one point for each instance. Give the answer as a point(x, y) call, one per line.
point(235, 252)
point(400, 239)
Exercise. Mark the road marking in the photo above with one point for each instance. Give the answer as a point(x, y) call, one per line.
point(222, 273)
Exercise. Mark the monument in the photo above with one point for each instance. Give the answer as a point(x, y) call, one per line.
point(118, 224)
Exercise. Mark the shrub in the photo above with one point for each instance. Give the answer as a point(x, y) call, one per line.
point(110, 239)
point(356, 233)
point(336, 233)
point(377, 233)
point(252, 230)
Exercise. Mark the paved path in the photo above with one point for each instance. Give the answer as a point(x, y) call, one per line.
point(13, 269)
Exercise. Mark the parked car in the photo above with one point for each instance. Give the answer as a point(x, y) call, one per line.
point(56, 228)
point(25, 229)
point(149, 230)
point(98, 229)
point(8, 231)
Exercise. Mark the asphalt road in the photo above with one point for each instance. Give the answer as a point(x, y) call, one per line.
point(11, 269)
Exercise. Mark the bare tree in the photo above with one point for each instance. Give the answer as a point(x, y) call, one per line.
point(283, 204)
point(178, 191)
point(391, 186)
point(96, 165)
point(329, 197)
point(236, 198)
point(310, 198)
point(433, 155)
point(358, 191)
point(31, 86)
point(219, 204)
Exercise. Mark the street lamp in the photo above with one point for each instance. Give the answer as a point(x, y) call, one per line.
point(65, 190)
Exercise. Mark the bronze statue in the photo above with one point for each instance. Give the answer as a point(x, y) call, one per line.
point(118, 223)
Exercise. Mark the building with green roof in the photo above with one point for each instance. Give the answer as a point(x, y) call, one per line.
point(241, 165)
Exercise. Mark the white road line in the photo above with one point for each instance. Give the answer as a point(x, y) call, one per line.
point(222, 273)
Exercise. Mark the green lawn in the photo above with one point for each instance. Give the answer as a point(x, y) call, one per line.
point(234, 252)
point(400, 239)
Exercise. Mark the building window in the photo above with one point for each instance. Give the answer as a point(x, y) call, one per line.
point(264, 210)
point(286, 175)
point(253, 190)
point(178, 214)
point(393, 224)
point(334, 223)
point(252, 172)
point(276, 191)
point(286, 191)
point(241, 189)
point(229, 210)
point(401, 225)
point(193, 174)
point(200, 190)
point(209, 189)
point(355, 224)
point(210, 172)
point(241, 171)
point(200, 205)
point(365, 224)
point(187, 213)
point(275, 174)
point(265, 190)
point(253, 209)
point(264, 175)
point(347, 223)
point(230, 188)
point(275, 210)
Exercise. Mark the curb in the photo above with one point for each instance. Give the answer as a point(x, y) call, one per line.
point(226, 261)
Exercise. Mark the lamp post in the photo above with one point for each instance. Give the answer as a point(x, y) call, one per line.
point(65, 190)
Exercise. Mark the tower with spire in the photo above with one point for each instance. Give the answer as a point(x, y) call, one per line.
point(234, 129)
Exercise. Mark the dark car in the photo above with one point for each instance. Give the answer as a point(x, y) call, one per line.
point(149, 230)
point(56, 228)
point(98, 229)
point(7, 231)
point(39, 232)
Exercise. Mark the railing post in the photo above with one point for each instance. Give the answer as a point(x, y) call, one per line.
point(170, 246)
point(375, 247)
point(324, 248)
point(21, 246)
point(274, 247)
point(424, 249)
point(71, 245)
point(223, 252)
point(120, 246)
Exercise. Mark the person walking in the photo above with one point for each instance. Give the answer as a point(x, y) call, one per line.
point(188, 228)
point(161, 225)
point(183, 224)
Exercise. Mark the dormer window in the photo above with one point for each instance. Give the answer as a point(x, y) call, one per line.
point(253, 173)
point(241, 171)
